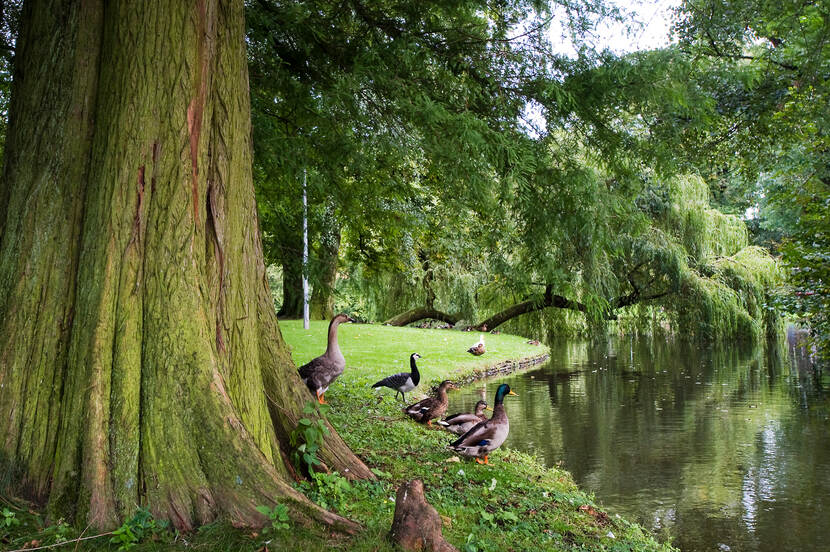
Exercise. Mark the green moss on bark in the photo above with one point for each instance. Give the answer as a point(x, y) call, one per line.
point(141, 360)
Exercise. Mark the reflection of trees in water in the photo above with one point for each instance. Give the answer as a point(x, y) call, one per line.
point(720, 440)
point(812, 380)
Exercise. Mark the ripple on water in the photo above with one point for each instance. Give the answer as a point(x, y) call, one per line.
point(713, 447)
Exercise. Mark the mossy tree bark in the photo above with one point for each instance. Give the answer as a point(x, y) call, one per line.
point(141, 362)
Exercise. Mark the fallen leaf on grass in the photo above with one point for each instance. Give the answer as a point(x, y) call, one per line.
point(601, 517)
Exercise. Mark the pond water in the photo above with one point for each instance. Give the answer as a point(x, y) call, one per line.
point(716, 448)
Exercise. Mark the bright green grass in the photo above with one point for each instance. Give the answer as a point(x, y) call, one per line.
point(373, 352)
point(515, 503)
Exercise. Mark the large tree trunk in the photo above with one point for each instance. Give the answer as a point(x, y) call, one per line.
point(140, 359)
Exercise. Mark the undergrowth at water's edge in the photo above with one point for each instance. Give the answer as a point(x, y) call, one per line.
point(515, 503)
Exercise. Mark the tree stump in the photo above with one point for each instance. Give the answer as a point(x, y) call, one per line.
point(417, 525)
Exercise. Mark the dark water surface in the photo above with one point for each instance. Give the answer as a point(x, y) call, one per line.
point(718, 448)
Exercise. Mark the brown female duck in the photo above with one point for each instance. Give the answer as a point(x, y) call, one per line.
point(478, 348)
point(463, 421)
point(426, 410)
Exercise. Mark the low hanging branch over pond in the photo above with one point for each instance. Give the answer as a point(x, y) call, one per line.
point(532, 305)
point(422, 313)
point(549, 299)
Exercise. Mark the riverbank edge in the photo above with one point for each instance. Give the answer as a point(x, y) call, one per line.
point(503, 368)
point(593, 516)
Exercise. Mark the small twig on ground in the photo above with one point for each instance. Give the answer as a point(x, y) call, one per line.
point(77, 544)
point(79, 539)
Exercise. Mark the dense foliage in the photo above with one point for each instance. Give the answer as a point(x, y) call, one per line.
point(388, 108)
point(454, 158)
point(765, 66)
point(465, 165)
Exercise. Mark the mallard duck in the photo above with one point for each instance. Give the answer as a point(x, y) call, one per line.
point(426, 410)
point(478, 348)
point(403, 382)
point(487, 436)
point(320, 372)
point(462, 422)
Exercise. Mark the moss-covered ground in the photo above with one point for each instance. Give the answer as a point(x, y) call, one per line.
point(515, 503)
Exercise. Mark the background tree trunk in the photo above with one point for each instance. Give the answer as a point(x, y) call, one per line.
point(532, 305)
point(140, 359)
point(292, 291)
point(292, 276)
point(322, 298)
point(421, 313)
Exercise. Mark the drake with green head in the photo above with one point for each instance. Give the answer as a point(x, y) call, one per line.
point(486, 436)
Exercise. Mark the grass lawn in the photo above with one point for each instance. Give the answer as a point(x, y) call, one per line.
point(515, 503)
point(373, 352)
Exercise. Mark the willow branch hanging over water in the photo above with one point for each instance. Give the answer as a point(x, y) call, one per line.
point(688, 265)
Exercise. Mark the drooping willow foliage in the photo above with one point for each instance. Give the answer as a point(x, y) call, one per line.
point(704, 232)
point(689, 268)
point(428, 260)
point(724, 284)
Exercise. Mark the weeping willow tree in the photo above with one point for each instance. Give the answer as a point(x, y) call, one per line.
point(720, 285)
point(677, 266)
point(641, 257)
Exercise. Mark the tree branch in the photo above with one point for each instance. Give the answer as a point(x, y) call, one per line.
point(422, 313)
point(717, 53)
point(532, 305)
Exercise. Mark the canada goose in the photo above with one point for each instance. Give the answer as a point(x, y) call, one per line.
point(404, 381)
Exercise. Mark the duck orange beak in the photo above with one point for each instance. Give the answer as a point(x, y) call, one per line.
point(512, 393)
